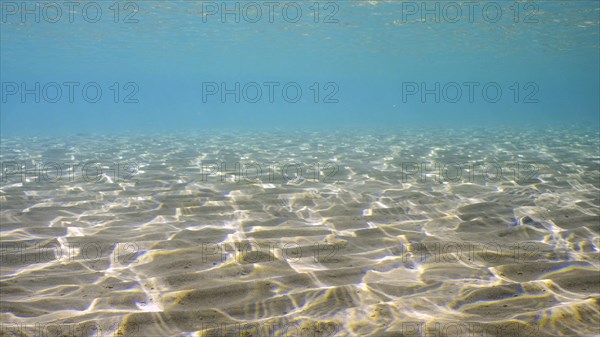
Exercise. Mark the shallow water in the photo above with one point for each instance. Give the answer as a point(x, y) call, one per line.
point(340, 168)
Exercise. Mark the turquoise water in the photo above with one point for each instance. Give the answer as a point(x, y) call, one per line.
point(367, 49)
point(308, 168)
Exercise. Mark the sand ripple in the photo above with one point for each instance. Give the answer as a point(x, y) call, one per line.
point(360, 241)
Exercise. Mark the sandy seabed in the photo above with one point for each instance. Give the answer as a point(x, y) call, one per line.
point(413, 233)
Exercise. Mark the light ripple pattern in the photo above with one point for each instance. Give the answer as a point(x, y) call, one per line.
point(356, 240)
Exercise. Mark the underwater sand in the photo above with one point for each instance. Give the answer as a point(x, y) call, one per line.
point(171, 247)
